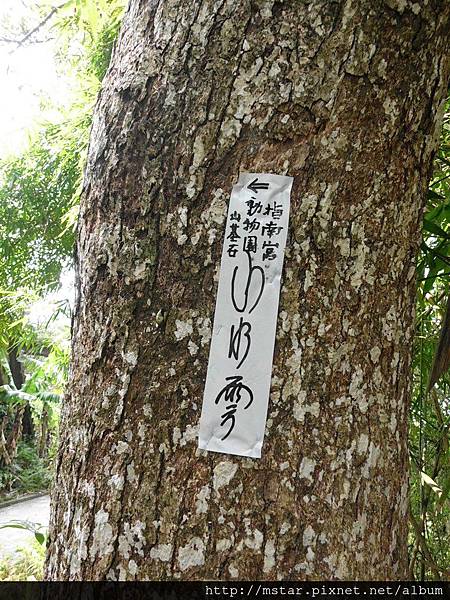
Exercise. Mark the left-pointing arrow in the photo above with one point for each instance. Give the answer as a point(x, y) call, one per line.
point(255, 186)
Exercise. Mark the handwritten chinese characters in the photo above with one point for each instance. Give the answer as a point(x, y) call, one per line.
point(240, 363)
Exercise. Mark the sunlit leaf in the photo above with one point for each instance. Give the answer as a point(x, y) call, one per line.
point(433, 485)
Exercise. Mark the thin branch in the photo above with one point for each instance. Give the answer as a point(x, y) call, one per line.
point(437, 571)
point(4, 40)
point(434, 276)
point(428, 312)
point(20, 42)
point(442, 179)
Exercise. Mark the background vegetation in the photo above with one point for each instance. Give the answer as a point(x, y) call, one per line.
point(39, 191)
point(430, 408)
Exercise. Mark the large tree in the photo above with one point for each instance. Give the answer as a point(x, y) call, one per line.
point(345, 97)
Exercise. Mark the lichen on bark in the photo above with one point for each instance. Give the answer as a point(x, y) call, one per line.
point(345, 97)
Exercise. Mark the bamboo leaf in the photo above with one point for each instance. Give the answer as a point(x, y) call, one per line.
point(441, 360)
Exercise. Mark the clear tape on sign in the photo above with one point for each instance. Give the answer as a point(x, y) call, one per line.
point(237, 386)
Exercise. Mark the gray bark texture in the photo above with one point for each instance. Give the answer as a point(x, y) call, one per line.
point(345, 96)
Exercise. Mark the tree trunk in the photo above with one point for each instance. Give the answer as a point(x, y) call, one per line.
point(4, 378)
point(18, 376)
point(44, 431)
point(345, 97)
point(9, 447)
point(16, 368)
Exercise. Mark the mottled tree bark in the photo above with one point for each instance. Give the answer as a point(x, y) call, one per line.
point(345, 97)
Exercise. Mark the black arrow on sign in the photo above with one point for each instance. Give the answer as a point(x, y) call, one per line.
point(255, 186)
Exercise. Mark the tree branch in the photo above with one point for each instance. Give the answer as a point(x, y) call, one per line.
point(20, 42)
point(437, 571)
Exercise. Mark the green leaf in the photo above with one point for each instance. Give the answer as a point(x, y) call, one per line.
point(444, 496)
point(40, 537)
point(435, 229)
point(434, 195)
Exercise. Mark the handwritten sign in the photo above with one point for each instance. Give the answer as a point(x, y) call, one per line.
point(240, 362)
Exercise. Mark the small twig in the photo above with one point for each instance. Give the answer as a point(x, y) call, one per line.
point(16, 42)
point(427, 313)
point(437, 571)
point(442, 179)
point(434, 276)
point(20, 42)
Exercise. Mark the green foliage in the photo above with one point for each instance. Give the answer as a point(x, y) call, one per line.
point(28, 473)
point(94, 24)
point(35, 193)
point(15, 330)
point(26, 565)
point(39, 193)
point(38, 530)
point(430, 411)
point(434, 260)
point(45, 376)
point(39, 189)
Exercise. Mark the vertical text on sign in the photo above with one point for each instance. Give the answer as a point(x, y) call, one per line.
point(240, 363)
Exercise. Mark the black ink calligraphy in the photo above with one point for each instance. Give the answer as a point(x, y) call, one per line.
point(232, 393)
point(254, 273)
point(234, 348)
point(238, 381)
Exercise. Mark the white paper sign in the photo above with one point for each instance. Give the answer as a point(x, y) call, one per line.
point(240, 361)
